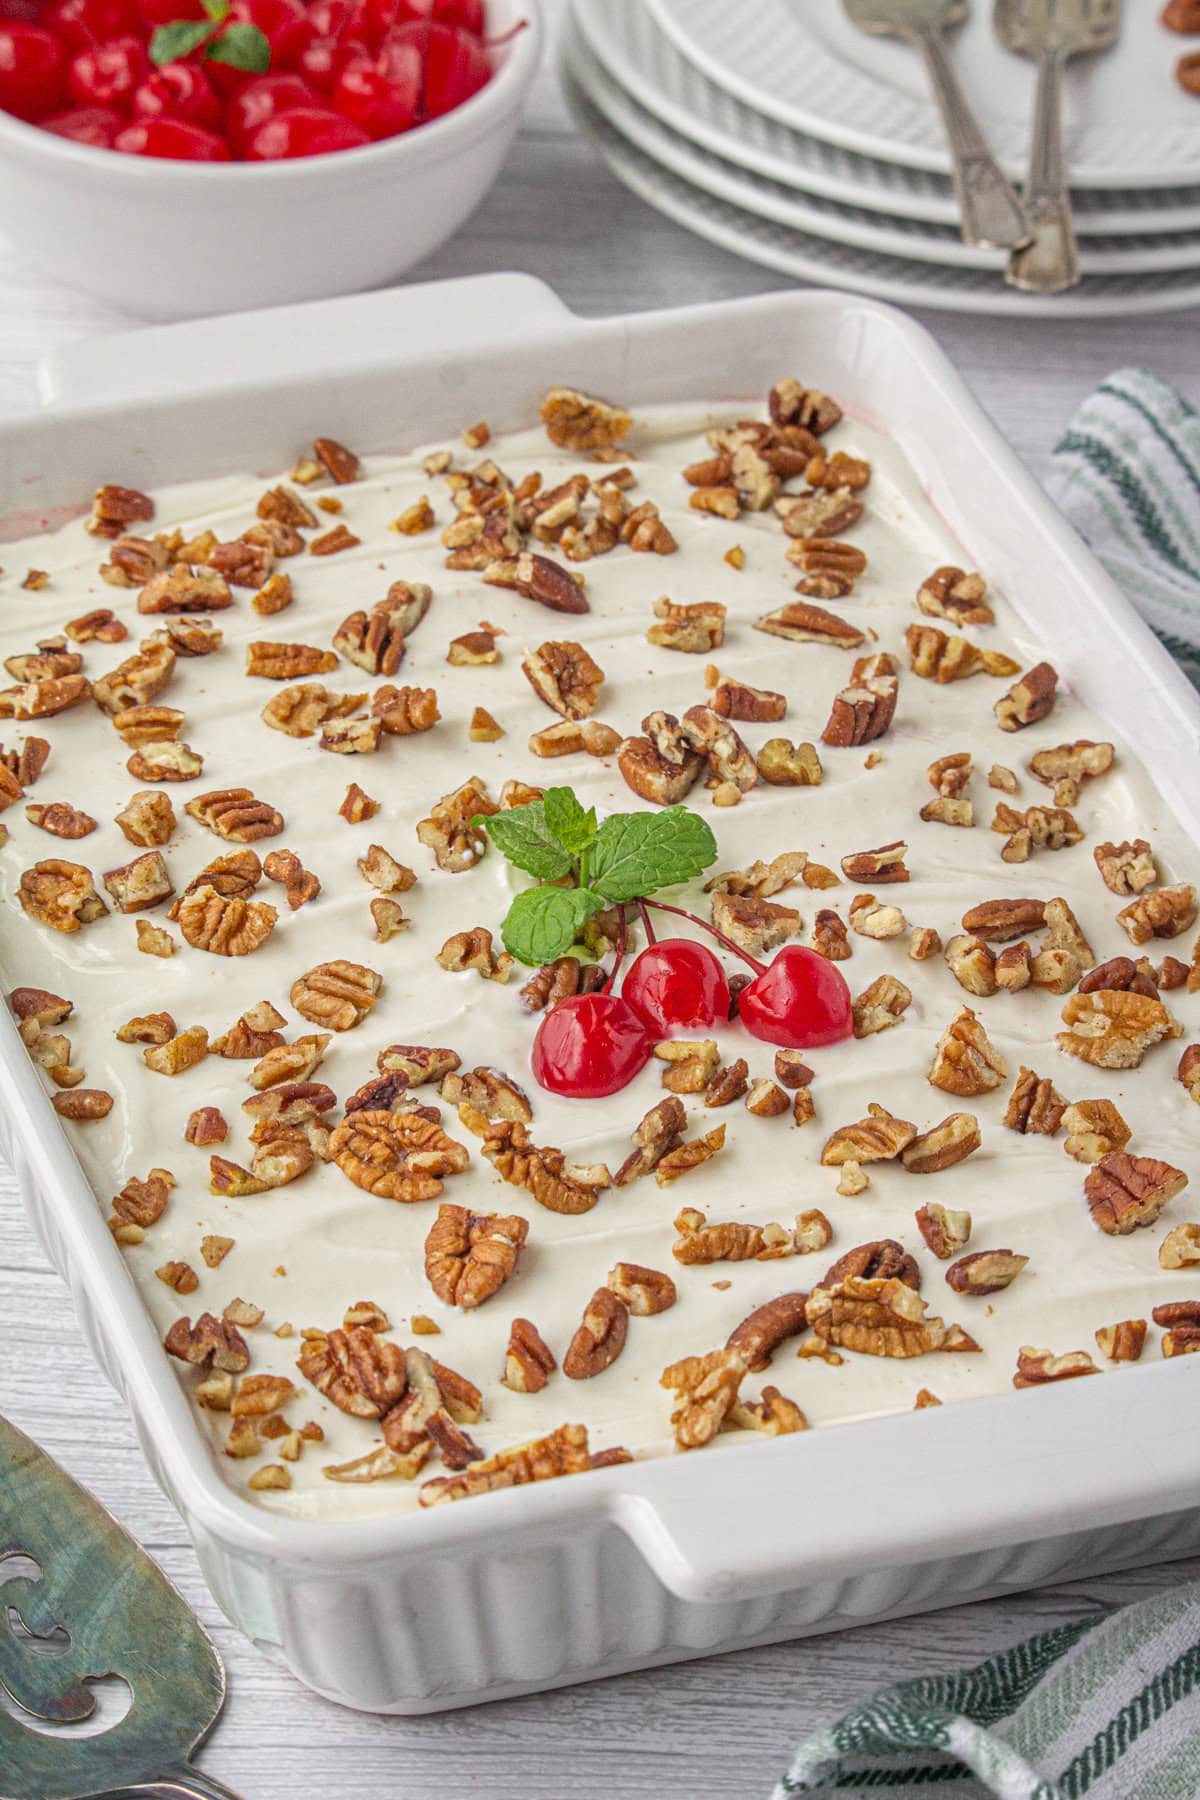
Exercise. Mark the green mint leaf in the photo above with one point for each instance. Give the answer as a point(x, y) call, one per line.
point(217, 10)
point(522, 835)
point(637, 853)
point(542, 922)
point(567, 821)
point(242, 47)
point(171, 43)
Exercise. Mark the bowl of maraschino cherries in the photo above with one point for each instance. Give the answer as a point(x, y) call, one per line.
point(594, 1043)
point(255, 150)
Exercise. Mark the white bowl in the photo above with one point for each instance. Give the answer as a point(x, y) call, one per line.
point(170, 240)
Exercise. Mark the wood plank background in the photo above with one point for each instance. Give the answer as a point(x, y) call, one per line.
point(721, 1727)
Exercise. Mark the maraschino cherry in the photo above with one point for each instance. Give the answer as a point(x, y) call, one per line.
point(677, 985)
point(799, 1001)
point(589, 1046)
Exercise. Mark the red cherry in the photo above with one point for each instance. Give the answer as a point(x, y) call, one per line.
point(304, 131)
point(32, 77)
point(381, 94)
point(588, 1046)
point(260, 100)
point(94, 125)
point(173, 138)
point(383, 15)
point(456, 64)
point(163, 12)
point(339, 18)
point(322, 60)
point(799, 1001)
point(676, 985)
point(179, 90)
point(78, 23)
point(109, 74)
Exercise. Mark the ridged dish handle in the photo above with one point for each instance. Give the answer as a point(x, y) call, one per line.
point(322, 339)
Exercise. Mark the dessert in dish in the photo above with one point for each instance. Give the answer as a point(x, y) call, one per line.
point(331, 755)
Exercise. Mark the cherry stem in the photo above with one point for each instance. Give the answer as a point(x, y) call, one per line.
point(647, 927)
point(661, 906)
point(616, 968)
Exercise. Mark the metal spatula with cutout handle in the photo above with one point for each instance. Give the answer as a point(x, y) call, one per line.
point(79, 1600)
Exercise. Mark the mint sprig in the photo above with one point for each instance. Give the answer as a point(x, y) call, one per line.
point(239, 45)
point(628, 857)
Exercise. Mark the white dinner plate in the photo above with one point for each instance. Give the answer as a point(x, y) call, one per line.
point(1129, 123)
point(645, 62)
point(840, 223)
point(814, 259)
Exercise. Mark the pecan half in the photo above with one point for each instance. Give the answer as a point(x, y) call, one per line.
point(563, 675)
point(805, 623)
point(60, 894)
point(287, 662)
point(644, 1292)
point(469, 1256)
point(1124, 1192)
point(886, 864)
point(877, 1138)
point(881, 1318)
point(1113, 1029)
point(600, 1337)
point(539, 578)
point(737, 700)
point(396, 1156)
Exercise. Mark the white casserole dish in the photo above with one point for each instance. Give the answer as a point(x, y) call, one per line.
point(659, 1560)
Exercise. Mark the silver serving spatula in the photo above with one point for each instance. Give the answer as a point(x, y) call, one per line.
point(99, 1607)
point(1051, 31)
point(991, 213)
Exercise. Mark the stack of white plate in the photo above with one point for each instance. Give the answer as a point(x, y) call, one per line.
point(776, 129)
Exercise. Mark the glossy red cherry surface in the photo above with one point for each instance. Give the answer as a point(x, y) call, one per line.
point(174, 139)
point(304, 131)
point(455, 64)
point(78, 23)
point(109, 74)
point(262, 99)
point(179, 90)
point(799, 1002)
point(98, 126)
point(382, 94)
point(322, 60)
point(32, 70)
point(677, 985)
point(588, 1046)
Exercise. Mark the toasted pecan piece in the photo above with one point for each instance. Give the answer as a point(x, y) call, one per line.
point(469, 1256)
point(1124, 1192)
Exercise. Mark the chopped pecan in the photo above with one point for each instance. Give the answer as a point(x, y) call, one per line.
point(100, 625)
point(732, 1240)
point(965, 1062)
point(862, 713)
point(728, 1084)
point(1180, 1249)
point(60, 894)
point(210, 1343)
point(1188, 1071)
point(563, 1452)
point(558, 981)
point(1066, 767)
point(662, 766)
point(137, 680)
point(302, 710)
point(760, 879)
point(284, 1064)
point(824, 512)
point(1124, 1192)
point(880, 1006)
point(996, 921)
point(474, 649)
point(467, 950)
point(456, 843)
point(224, 925)
point(948, 809)
point(886, 864)
point(60, 819)
point(880, 1318)
point(337, 994)
point(1029, 699)
point(1122, 1342)
point(184, 589)
point(924, 943)
point(600, 1337)
point(757, 926)
point(357, 805)
point(781, 763)
point(22, 766)
point(235, 814)
point(696, 629)
point(1126, 868)
point(558, 1185)
point(808, 624)
point(37, 665)
point(737, 700)
point(115, 507)
point(956, 1138)
point(940, 658)
point(373, 641)
point(178, 1053)
point(685, 1157)
point(1035, 1368)
point(791, 403)
point(563, 675)
point(715, 738)
point(395, 1155)
point(945, 1232)
point(877, 1138)
point(642, 1291)
point(1034, 1105)
point(206, 1126)
point(139, 884)
point(43, 698)
point(287, 662)
point(148, 725)
point(951, 594)
point(338, 462)
point(853, 1180)
point(1166, 912)
point(1095, 1128)
point(83, 1105)
point(570, 736)
point(578, 421)
point(791, 1069)
point(985, 1271)
point(870, 919)
point(766, 1099)
point(528, 1361)
point(1113, 1029)
point(539, 578)
point(762, 1332)
point(830, 570)
point(482, 1095)
point(658, 1132)
point(469, 1256)
point(421, 1063)
point(829, 937)
point(705, 1388)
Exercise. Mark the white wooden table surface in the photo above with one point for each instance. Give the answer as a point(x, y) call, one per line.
point(716, 1728)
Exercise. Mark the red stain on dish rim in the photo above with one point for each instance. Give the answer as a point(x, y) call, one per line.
point(14, 525)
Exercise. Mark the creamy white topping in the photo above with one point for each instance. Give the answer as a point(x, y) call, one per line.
point(307, 1251)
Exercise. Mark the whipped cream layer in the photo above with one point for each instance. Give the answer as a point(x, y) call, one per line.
point(308, 1251)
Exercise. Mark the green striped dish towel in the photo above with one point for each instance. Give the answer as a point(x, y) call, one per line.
point(1108, 1707)
point(1127, 475)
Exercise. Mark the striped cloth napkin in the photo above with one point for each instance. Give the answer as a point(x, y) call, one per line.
point(1109, 1706)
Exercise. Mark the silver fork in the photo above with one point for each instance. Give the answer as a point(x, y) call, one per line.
point(990, 211)
point(1052, 31)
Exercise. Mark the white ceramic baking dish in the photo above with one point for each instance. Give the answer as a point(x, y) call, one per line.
point(677, 1557)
